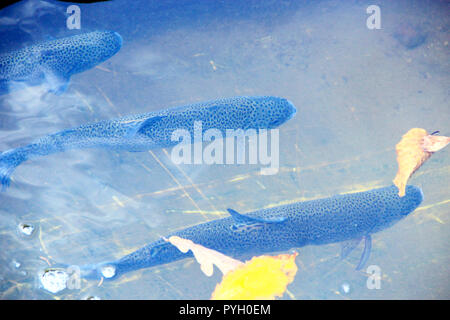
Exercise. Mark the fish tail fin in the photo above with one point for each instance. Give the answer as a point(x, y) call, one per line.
point(6, 170)
point(9, 160)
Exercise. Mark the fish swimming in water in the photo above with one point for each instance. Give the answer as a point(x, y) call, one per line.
point(154, 129)
point(342, 218)
point(53, 62)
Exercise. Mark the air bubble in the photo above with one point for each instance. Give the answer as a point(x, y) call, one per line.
point(108, 271)
point(54, 280)
point(345, 288)
point(16, 264)
point(26, 229)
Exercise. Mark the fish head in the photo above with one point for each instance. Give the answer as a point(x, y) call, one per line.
point(271, 112)
point(109, 42)
point(412, 199)
point(90, 49)
point(396, 207)
point(103, 44)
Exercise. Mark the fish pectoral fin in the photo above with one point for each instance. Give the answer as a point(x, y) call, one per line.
point(57, 83)
point(240, 218)
point(348, 246)
point(366, 253)
point(137, 127)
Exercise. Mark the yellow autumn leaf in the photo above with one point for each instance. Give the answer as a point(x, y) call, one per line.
point(261, 278)
point(415, 147)
point(433, 143)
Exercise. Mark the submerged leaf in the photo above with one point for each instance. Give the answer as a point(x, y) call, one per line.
point(205, 257)
point(415, 147)
point(263, 277)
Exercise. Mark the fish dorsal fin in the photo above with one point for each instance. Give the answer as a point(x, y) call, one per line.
point(240, 218)
point(136, 127)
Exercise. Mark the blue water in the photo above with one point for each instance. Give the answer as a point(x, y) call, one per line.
point(356, 90)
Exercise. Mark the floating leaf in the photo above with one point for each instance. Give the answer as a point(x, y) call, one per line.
point(205, 257)
point(433, 143)
point(415, 147)
point(263, 277)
